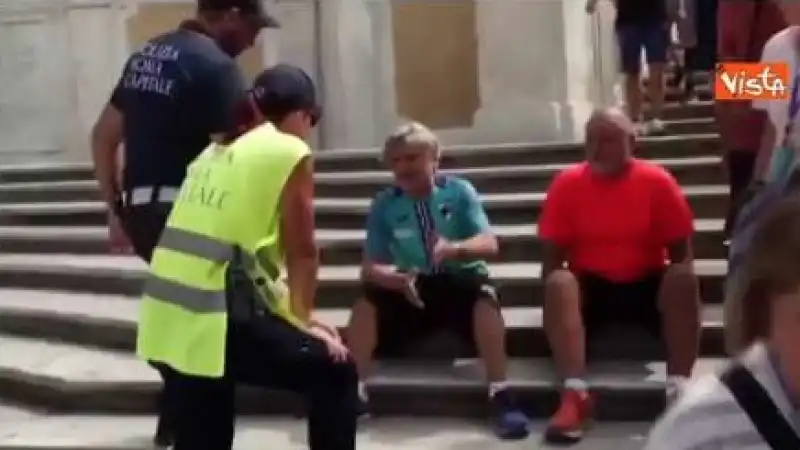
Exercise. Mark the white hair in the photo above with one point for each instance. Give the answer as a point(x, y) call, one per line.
point(412, 134)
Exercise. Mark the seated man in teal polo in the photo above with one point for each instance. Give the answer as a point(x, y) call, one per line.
point(424, 270)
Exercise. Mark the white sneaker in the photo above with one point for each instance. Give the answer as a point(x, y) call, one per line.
point(639, 128)
point(674, 389)
point(655, 126)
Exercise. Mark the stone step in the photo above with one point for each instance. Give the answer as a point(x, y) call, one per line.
point(699, 125)
point(519, 283)
point(134, 432)
point(69, 378)
point(337, 247)
point(689, 110)
point(487, 180)
point(61, 171)
point(677, 94)
point(707, 201)
point(686, 145)
point(109, 322)
point(523, 154)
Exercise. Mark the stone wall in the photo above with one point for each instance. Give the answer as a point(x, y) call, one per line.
point(478, 71)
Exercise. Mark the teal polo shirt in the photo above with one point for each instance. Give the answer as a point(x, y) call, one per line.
point(402, 230)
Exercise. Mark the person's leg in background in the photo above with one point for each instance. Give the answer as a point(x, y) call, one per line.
point(566, 334)
point(270, 353)
point(630, 44)
point(143, 225)
point(655, 40)
point(740, 165)
point(382, 322)
point(690, 74)
point(686, 31)
point(470, 307)
point(678, 302)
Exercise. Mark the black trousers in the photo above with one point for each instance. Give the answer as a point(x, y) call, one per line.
point(270, 353)
point(143, 224)
point(740, 166)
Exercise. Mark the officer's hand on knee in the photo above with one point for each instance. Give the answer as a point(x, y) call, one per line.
point(331, 330)
point(336, 348)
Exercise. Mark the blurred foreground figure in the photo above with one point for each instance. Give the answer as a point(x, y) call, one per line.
point(753, 403)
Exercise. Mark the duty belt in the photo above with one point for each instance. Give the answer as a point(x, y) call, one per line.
point(145, 195)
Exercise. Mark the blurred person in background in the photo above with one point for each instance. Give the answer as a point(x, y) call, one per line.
point(744, 28)
point(775, 166)
point(643, 25)
point(683, 48)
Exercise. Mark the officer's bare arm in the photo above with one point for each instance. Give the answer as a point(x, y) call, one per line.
point(106, 139)
point(297, 232)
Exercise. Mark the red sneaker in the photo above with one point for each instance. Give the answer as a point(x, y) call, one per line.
point(569, 422)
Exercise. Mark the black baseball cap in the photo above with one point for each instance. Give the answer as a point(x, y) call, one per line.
point(252, 8)
point(284, 88)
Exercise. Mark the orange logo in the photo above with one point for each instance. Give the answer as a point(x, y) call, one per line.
point(752, 81)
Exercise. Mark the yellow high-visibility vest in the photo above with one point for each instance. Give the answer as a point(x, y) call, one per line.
point(227, 211)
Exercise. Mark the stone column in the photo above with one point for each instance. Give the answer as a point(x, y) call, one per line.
point(294, 43)
point(606, 57)
point(536, 72)
point(348, 63)
point(97, 49)
point(36, 83)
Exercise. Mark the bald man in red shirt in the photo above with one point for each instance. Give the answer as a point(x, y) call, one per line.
point(617, 234)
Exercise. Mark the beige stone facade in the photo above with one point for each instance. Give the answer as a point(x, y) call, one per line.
point(476, 71)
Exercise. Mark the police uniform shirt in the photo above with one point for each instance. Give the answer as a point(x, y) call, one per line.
point(174, 92)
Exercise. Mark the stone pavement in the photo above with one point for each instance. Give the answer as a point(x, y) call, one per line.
point(133, 433)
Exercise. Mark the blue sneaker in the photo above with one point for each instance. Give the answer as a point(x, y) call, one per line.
point(508, 421)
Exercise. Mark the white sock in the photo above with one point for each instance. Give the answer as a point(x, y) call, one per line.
point(677, 381)
point(576, 384)
point(362, 391)
point(497, 386)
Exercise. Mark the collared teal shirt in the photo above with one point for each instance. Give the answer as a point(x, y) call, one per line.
point(402, 230)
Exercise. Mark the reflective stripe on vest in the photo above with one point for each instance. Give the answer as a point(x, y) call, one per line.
point(203, 300)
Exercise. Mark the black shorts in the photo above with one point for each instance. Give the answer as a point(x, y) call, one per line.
point(607, 304)
point(449, 302)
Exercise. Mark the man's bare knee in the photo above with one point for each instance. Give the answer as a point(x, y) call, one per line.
point(561, 286)
point(487, 313)
point(562, 299)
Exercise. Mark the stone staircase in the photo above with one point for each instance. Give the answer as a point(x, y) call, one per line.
point(68, 309)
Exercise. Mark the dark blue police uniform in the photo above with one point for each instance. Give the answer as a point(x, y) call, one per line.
point(174, 93)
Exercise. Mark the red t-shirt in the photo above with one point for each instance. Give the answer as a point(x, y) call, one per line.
point(618, 229)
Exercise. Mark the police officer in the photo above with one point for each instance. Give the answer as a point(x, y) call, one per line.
point(175, 94)
point(247, 206)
